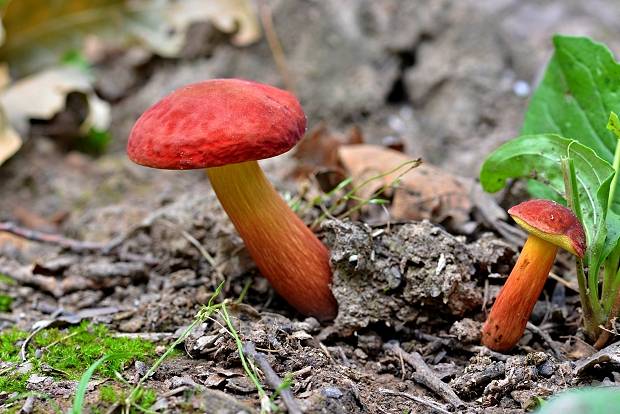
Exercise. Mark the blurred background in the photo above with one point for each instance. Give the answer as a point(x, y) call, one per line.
point(443, 80)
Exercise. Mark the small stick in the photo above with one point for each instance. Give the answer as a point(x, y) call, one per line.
point(423, 401)
point(28, 406)
point(547, 338)
point(425, 375)
point(564, 282)
point(275, 46)
point(76, 246)
point(272, 378)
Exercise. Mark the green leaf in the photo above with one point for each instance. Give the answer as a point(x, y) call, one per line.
point(78, 402)
point(580, 88)
point(539, 157)
point(588, 400)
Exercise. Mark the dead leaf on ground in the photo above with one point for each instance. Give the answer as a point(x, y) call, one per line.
point(425, 192)
point(38, 33)
point(10, 141)
point(43, 95)
point(317, 154)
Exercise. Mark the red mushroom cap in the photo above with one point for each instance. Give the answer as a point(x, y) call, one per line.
point(551, 222)
point(214, 123)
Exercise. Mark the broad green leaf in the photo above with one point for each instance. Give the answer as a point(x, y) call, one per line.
point(539, 157)
point(579, 90)
point(588, 400)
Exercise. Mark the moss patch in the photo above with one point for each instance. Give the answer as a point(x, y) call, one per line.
point(110, 395)
point(70, 352)
point(5, 303)
point(74, 350)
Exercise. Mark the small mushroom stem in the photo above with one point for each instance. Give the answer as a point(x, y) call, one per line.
point(514, 304)
point(286, 252)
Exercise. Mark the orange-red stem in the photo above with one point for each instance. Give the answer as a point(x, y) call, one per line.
point(287, 253)
point(515, 302)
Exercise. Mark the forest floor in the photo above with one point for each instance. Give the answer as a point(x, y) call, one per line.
point(444, 81)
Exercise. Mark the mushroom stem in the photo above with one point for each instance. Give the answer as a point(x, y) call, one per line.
point(514, 304)
point(286, 252)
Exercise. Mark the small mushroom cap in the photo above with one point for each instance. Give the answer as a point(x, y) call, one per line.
point(551, 222)
point(217, 122)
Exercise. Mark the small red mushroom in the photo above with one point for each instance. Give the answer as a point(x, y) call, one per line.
point(225, 126)
point(550, 225)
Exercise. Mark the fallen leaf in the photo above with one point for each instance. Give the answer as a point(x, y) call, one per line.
point(317, 154)
point(425, 192)
point(10, 141)
point(43, 95)
point(229, 16)
point(37, 33)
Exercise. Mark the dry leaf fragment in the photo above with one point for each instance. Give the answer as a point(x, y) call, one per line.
point(43, 95)
point(425, 192)
point(10, 141)
point(229, 16)
point(319, 147)
point(38, 33)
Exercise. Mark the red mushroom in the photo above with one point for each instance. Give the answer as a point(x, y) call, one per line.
point(550, 225)
point(225, 126)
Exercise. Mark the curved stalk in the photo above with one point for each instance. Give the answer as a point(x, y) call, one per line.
point(286, 252)
point(515, 302)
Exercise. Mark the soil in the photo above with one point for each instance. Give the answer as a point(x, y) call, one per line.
point(446, 79)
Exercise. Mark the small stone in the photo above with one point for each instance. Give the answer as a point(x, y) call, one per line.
point(467, 331)
point(546, 369)
point(141, 368)
point(204, 342)
point(360, 354)
point(521, 88)
point(331, 392)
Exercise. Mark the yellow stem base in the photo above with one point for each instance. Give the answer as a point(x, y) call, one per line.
point(286, 252)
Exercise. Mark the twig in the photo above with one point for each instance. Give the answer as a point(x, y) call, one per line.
point(425, 375)
point(28, 406)
point(423, 401)
point(23, 350)
point(563, 281)
point(272, 378)
point(547, 338)
point(275, 46)
point(73, 245)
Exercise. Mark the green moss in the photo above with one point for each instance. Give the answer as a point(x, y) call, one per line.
point(10, 342)
point(147, 399)
point(74, 350)
point(108, 394)
point(6, 279)
point(11, 382)
point(5, 303)
point(71, 351)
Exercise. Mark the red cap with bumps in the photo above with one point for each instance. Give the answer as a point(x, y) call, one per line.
point(217, 122)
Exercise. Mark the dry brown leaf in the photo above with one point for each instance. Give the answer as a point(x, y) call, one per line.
point(43, 95)
point(318, 150)
point(10, 141)
point(229, 16)
point(425, 192)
